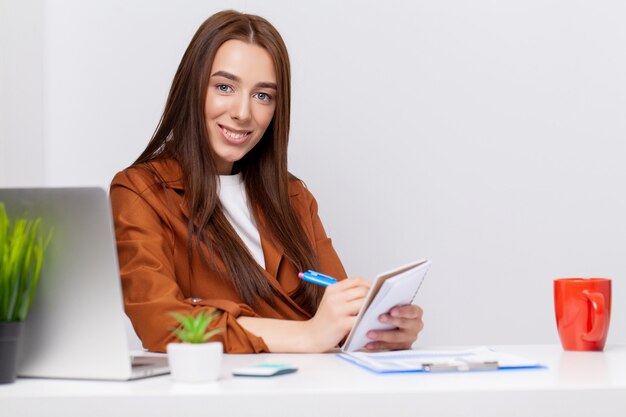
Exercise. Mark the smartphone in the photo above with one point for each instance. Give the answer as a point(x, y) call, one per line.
point(265, 370)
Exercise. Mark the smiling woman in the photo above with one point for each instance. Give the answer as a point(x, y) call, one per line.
point(239, 101)
point(209, 217)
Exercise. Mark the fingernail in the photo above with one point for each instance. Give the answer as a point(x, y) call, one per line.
point(383, 318)
point(371, 335)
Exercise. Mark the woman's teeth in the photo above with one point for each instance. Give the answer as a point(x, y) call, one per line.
point(233, 135)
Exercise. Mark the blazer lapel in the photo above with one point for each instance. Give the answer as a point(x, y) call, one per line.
point(272, 253)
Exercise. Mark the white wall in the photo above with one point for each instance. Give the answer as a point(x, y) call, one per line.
point(486, 136)
point(21, 96)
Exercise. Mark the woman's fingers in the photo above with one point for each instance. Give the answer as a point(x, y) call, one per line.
point(380, 346)
point(345, 299)
point(407, 321)
point(350, 293)
point(337, 311)
point(416, 324)
point(354, 282)
point(409, 311)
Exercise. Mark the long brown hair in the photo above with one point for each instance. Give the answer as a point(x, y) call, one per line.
point(182, 135)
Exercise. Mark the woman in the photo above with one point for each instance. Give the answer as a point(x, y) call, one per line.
point(209, 217)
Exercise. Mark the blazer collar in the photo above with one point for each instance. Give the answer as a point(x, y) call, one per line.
point(172, 175)
point(169, 171)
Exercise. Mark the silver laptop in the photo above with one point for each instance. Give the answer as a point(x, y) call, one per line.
point(76, 326)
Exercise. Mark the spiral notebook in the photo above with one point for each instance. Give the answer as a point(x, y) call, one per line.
point(393, 288)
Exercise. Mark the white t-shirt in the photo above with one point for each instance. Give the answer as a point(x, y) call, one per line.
point(232, 194)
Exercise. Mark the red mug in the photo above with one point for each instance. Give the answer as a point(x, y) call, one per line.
point(583, 311)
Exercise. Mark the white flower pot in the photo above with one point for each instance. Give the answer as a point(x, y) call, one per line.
point(195, 362)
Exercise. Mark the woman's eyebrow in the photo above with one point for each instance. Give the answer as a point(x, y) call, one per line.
point(235, 78)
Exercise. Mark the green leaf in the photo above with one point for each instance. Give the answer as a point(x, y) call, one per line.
point(193, 329)
point(210, 334)
point(22, 250)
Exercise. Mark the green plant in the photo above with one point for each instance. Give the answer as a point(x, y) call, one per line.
point(22, 247)
point(194, 328)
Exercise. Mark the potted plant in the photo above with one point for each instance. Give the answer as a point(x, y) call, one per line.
point(22, 247)
point(195, 359)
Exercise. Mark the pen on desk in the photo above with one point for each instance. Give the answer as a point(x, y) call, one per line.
point(317, 278)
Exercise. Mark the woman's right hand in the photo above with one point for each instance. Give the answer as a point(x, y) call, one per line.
point(336, 313)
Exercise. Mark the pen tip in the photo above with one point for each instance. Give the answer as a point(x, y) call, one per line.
point(300, 274)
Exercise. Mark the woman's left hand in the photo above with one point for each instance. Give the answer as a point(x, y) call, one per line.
point(408, 322)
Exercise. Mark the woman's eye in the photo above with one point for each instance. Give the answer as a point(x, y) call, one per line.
point(223, 88)
point(263, 96)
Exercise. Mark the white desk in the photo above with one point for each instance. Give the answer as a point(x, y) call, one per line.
point(575, 384)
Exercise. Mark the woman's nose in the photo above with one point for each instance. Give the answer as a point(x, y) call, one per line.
point(240, 110)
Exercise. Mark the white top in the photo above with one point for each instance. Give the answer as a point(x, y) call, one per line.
point(232, 193)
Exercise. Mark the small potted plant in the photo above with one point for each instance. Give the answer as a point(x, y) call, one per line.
point(195, 359)
point(22, 246)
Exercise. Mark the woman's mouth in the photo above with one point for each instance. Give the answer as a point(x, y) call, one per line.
point(234, 135)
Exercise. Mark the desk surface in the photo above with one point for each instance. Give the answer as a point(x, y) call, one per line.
point(574, 384)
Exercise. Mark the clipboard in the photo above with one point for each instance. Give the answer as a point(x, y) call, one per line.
point(397, 287)
point(431, 361)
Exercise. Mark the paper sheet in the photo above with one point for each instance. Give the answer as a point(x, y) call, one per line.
point(419, 360)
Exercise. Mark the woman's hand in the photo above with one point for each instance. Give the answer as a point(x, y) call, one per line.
point(408, 322)
point(336, 313)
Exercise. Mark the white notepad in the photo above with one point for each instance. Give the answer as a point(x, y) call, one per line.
point(397, 287)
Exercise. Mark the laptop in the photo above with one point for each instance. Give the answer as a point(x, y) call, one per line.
point(76, 326)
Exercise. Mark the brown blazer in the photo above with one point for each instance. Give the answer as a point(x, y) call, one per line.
point(151, 230)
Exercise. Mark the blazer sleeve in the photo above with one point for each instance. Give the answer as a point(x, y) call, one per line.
point(146, 253)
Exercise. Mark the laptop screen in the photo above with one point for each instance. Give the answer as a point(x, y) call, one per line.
point(76, 326)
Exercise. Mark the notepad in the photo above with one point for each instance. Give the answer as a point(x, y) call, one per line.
point(397, 287)
point(476, 359)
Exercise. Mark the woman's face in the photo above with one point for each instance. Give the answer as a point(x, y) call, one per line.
point(240, 101)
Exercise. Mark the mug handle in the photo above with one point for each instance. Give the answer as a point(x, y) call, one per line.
point(598, 329)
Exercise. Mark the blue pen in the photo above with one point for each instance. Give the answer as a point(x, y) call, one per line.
point(317, 278)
